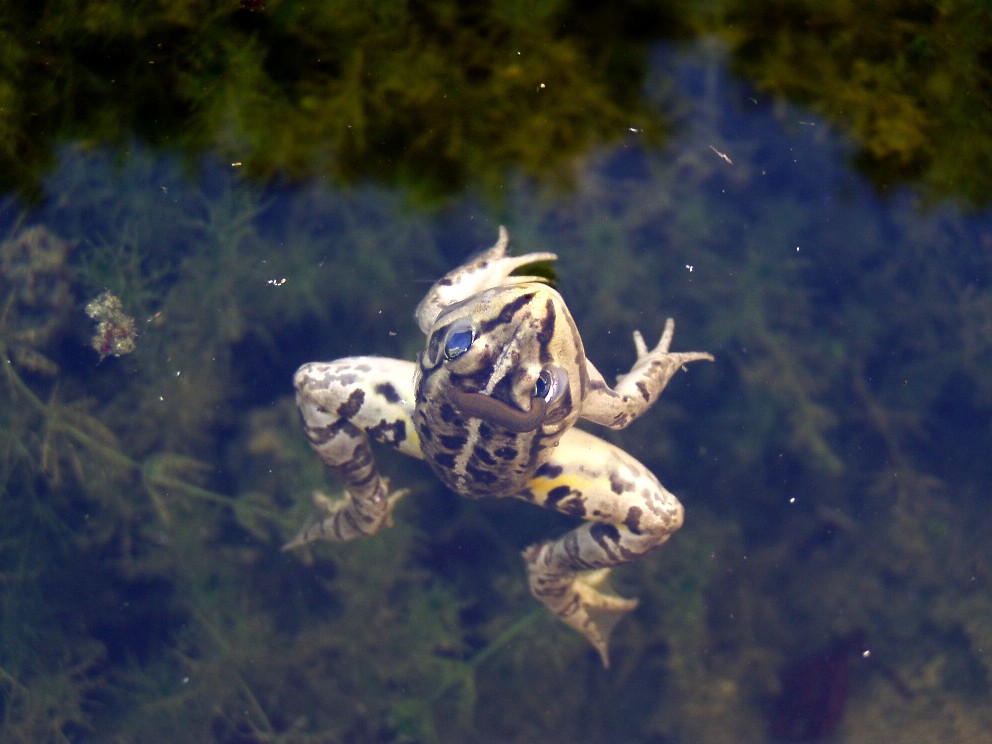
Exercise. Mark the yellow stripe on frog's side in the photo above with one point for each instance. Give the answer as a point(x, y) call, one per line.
point(570, 493)
point(540, 488)
point(590, 478)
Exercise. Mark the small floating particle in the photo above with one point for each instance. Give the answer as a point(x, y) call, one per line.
point(115, 329)
point(722, 155)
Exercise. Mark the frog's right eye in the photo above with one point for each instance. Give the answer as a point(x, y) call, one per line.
point(459, 340)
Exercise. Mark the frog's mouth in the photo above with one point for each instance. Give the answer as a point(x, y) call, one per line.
point(487, 407)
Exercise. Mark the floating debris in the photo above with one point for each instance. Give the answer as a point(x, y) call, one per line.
point(115, 330)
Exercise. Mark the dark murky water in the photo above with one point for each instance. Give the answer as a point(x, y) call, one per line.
point(833, 461)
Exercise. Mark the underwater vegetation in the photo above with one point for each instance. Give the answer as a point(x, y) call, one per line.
point(844, 420)
point(815, 689)
point(910, 81)
point(432, 96)
point(146, 496)
point(437, 96)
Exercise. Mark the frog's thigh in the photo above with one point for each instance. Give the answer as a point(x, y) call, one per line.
point(343, 400)
point(628, 510)
point(630, 514)
point(345, 403)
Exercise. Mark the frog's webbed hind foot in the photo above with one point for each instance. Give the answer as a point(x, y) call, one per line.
point(347, 518)
point(576, 600)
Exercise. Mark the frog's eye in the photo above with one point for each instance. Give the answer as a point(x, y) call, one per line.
point(551, 384)
point(459, 340)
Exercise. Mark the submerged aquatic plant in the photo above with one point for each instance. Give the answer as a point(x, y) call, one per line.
point(431, 97)
point(140, 521)
point(34, 289)
point(909, 81)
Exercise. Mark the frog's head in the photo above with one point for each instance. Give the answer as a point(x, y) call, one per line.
point(510, 356)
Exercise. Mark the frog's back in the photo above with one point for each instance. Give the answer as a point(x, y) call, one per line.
point(500, 382)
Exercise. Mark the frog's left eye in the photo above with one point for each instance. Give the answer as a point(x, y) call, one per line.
point(459, 340)
point(551, 384)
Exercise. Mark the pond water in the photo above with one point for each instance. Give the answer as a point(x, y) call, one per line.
point(276, 192)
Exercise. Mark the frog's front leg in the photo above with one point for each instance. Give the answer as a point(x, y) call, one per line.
point(637, 390)
point(630, 513)
point(343, 404)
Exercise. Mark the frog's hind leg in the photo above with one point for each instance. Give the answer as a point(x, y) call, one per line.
point(631, 513)
point(344, 405)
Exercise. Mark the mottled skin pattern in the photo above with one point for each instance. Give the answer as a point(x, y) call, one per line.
point(490, 406)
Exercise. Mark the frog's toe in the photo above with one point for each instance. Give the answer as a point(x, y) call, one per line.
point(597, 613)
point(394, 497)
point(576, 600)
point(595, 577)
point(317, 524)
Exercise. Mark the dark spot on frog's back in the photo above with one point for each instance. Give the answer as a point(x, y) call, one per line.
point(448, 413)
point(507, 313)
point(549, 470)
point(387, 391)
point(547, 331)
point(453, 442)
point(506, 452)
point(479, 475)
point(353, 405)
point(484, 455)
point(444, 460)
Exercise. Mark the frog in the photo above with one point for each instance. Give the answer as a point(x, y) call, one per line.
point(491, 405)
